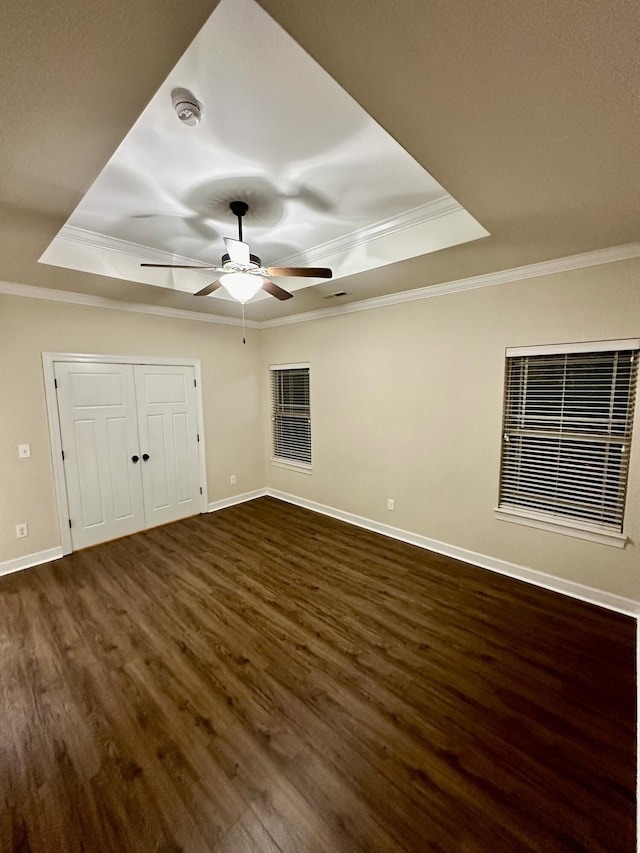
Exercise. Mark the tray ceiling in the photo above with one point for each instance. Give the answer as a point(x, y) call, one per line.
point(526, 114)
point(326, 184)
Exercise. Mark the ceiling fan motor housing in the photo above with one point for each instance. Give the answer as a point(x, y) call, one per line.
point(255, 260)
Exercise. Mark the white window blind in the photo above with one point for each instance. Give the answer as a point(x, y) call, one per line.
point(291, 414)
point(567, 434)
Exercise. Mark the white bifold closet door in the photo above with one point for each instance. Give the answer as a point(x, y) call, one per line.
point(130, 443)
point(167, 426)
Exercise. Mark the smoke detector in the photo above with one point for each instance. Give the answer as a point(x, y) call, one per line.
point(187, 107)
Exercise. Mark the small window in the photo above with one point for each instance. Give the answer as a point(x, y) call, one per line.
point(291, 414)
point(568, 416)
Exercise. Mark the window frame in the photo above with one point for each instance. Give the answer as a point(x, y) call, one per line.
point(566, 525)
point(283, 461)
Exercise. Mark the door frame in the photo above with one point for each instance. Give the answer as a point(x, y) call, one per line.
point(49, 360)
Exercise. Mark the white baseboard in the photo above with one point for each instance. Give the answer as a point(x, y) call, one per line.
point(575, 590)
point(30, 560)
point(236, 499)
point(609, 600)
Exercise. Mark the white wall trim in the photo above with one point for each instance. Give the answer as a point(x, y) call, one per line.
point(236, 499)
point(573, 347)
point(30, 560)
point(440, 207)
point(55, 443)
point(290, 465)
point(576, 529)
point(436, 209)
point(30, 291)
point(628, 251)
point(609, 600)
point(73, 234)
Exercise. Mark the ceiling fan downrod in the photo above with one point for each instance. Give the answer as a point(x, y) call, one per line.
point(239, 209)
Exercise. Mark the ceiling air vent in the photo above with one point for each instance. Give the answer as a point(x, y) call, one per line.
point(333, 295)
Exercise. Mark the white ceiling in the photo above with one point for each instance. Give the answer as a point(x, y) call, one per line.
point(325, 183)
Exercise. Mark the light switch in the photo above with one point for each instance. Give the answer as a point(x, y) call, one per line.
point(24, 451)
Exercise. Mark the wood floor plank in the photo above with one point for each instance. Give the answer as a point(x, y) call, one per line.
point(248, 835)
point(332, 794)
point(268, 679)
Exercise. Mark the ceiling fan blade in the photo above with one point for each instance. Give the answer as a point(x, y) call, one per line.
point(238, 251)
point(273, 290)
point(209, 288)
point(301, 272)
point(182, 267)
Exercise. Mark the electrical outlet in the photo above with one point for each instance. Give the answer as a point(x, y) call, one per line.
point(233, 479)
point(22, 530)
point(24, 451)
point(391, 504)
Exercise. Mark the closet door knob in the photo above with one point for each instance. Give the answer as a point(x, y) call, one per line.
point(145, 456)
point(135, 458)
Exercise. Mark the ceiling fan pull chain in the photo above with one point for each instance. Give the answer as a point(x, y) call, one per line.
point(244, 340)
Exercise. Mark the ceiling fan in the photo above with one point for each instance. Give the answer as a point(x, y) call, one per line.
point(243, 273)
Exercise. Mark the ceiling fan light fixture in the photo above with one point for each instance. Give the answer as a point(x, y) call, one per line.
point(244, 271)
point(241, 285)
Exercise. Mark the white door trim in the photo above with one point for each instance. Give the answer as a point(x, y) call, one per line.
point(48, 361)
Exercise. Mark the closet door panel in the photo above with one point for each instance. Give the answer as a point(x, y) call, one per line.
point(167, 423)
point(98, 424)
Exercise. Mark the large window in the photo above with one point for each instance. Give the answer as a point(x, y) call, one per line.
point(291, 414)
point(568, 416)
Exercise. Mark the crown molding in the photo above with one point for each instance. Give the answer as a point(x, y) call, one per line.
point(27, 290)
point(627, 251)
point(408, 219)
point(84, 237)
point(437, 209)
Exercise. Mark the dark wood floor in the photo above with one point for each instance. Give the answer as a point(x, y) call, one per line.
point(266, 679)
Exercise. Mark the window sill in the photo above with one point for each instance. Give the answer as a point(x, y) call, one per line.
point(566, 528)
point(300, 467)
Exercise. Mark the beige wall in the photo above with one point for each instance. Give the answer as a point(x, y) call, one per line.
point(406, 403)
point(407, 400)
point(28, 327)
